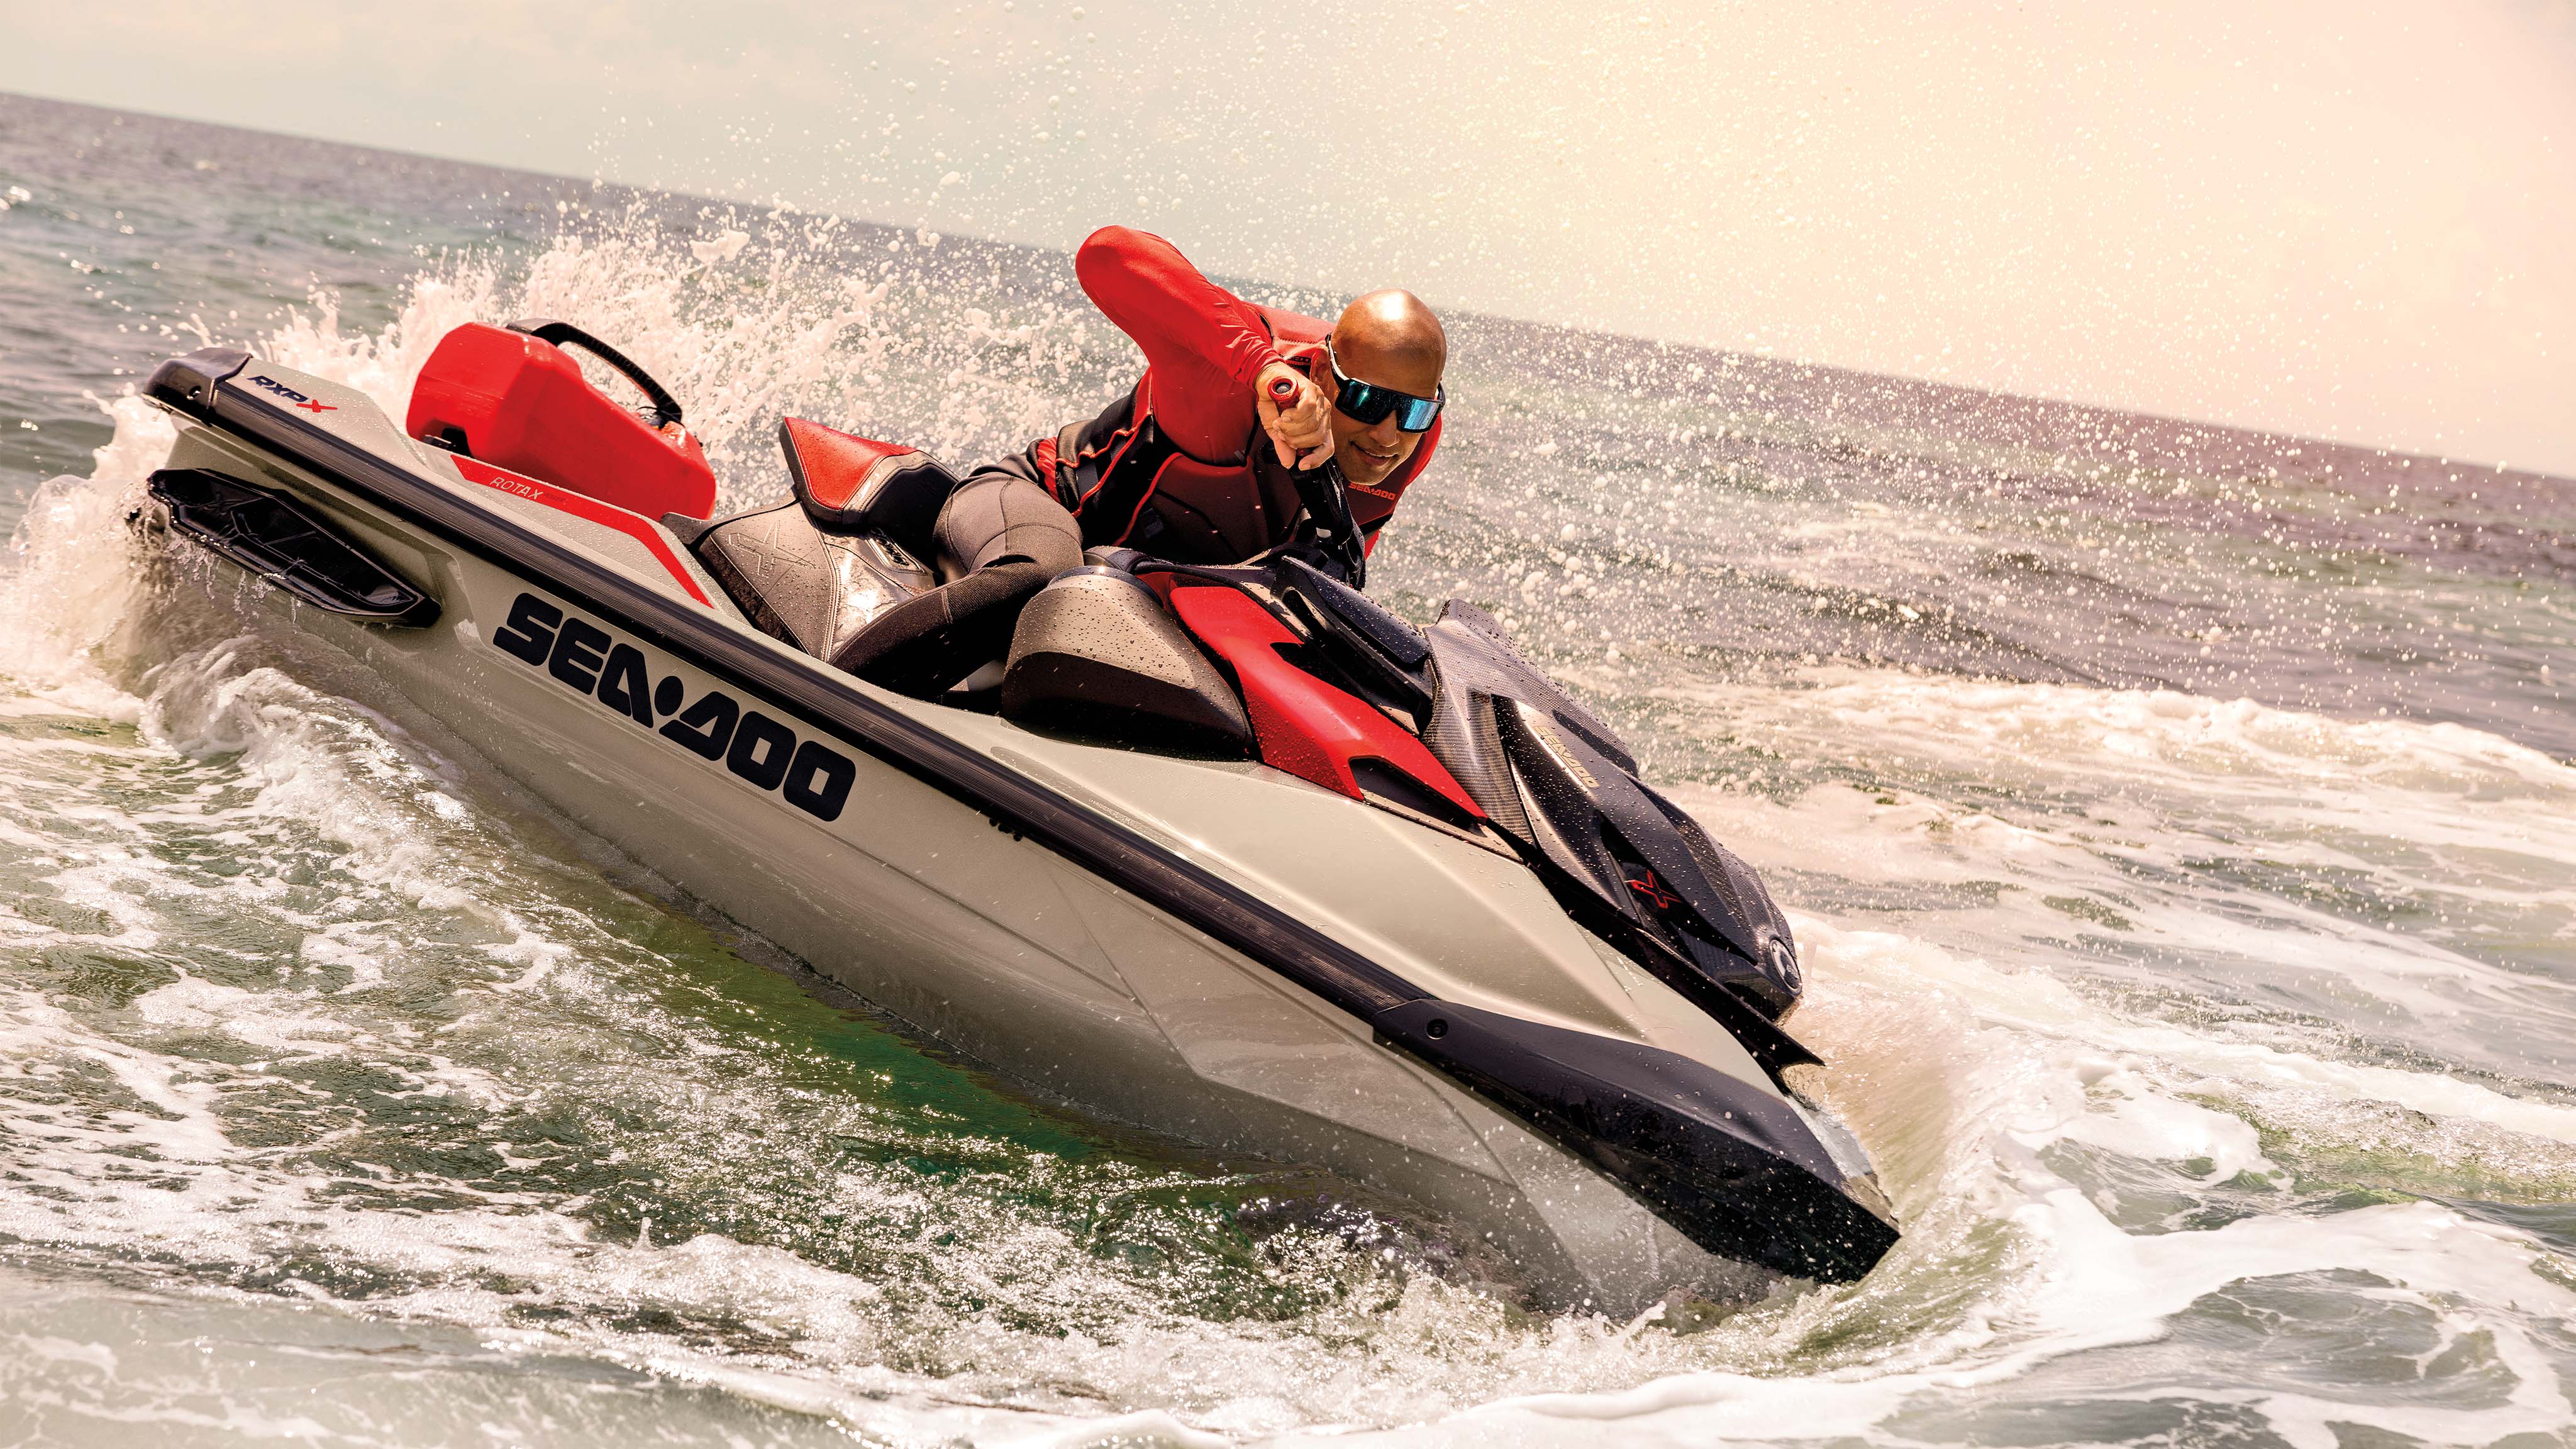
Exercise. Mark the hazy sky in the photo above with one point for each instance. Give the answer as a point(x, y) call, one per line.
point(2349, 220)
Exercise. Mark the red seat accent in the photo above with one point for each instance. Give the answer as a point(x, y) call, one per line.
point(832, 468)
point(850, 484)
point(1303, 725)
point(522, 404)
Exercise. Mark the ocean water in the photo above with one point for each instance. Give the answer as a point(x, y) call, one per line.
point(2179, 824)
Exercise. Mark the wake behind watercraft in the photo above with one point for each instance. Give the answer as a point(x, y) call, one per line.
point(1232, 852)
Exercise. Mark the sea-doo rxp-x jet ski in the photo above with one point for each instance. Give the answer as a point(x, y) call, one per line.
point(1231, 852)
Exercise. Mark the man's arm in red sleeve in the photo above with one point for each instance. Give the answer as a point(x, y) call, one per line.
point(1204, 344)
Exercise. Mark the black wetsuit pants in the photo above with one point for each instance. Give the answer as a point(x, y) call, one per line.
point(1001, 536)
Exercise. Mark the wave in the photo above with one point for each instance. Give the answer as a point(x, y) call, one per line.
point(2161, 1014)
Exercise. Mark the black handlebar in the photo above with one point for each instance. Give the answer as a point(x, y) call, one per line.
point(1337, 548)
point(666, 408)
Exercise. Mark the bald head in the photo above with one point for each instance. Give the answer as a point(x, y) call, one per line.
point(1392, 339)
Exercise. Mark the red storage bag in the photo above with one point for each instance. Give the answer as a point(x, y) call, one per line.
point(513, 398)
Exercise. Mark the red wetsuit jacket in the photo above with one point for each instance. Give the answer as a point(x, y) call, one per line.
point(1180, 466)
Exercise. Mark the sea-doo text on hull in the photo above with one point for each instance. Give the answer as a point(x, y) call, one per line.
point(1232, 852)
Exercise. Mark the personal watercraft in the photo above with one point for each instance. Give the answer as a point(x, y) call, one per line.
point(1229, 851)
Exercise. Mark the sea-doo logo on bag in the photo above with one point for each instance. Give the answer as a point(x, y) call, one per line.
point(714, 726)
point(291, 395)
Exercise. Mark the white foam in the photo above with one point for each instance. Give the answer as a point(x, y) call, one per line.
point(2045, 1008)
point(70, 581)
point(2071, 1280)
point(2214, 834)
point(2105, 1288)
point(250, 1016)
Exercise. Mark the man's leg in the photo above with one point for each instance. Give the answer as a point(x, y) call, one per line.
point(1000, 538)
point(1001, 513)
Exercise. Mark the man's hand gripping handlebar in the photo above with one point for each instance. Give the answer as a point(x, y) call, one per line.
point(1294, 414)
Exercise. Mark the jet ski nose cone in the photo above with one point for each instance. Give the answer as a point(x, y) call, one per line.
point(1860, 1181)
point(1865, 1189)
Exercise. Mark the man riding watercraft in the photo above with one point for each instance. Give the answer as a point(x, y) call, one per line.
point(1231, 852)
point(1249, 425)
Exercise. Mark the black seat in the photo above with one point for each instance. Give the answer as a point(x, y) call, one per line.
point(853, 542)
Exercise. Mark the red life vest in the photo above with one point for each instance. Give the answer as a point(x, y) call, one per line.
point(1130, 486)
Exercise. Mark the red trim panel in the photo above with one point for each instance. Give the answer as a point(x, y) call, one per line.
point(564, 500)
point(1303, 725)
point(1151, 484)
point(1123, 439)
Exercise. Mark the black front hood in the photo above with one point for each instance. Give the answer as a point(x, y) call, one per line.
point(1629, 863)
point(1718, 1160)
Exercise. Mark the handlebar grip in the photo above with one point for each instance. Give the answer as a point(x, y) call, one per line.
point(666, 408)
point(1282, 391)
